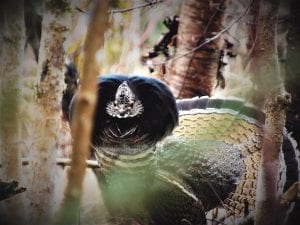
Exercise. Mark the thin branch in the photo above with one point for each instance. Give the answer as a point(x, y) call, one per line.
point(84, 107)
point(63, 162)
point(208, 40)
point(213, 17)
point(93, 164)
point(122, 10)
point(79, 9)
point(136, 7)
point(231, 35)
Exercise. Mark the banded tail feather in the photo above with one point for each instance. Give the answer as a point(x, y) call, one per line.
point(216, 150)
point(210, 148)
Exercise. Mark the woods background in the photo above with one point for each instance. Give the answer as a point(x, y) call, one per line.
point(247, 49)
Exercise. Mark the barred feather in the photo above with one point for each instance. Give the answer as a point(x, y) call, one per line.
point(198, 168)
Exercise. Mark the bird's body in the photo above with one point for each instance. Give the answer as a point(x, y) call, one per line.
point(212, 150)
point(167, 162)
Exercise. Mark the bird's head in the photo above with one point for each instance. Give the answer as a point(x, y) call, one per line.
point(132, 111)
point(125, 104)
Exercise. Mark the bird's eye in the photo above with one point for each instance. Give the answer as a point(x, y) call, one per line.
point(131, 104)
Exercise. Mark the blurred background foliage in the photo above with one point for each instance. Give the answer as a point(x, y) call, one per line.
point(130, 34)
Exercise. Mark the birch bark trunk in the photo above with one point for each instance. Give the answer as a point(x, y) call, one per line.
point(55, 30)
point(11, 58)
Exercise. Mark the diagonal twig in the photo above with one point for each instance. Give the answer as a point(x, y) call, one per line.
point(136, 7)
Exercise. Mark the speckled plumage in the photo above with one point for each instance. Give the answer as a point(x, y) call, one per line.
point(202, 169)
point(215, 150)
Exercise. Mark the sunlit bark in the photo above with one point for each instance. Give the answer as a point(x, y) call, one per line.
point(55, 29)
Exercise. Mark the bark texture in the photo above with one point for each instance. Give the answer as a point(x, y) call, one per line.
point(270, 86)
point(11, 58)
point(82, 119)
point(55, 29)
point(195, 73)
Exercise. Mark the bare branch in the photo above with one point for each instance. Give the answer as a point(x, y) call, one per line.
point(93, 164)
point(153, 2)
point(137, 7)
point(80, 10)
point(63, 162)
point(82, 119)
point(274, 99)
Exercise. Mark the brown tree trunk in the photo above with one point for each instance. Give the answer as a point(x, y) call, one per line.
point(195, 73)
point(55, 29)
point(11, 59)
point(270, 86)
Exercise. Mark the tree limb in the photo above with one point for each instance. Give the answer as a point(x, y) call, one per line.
point(152, 2)
point(82, 119)
point(271, 91)
point(63, 162)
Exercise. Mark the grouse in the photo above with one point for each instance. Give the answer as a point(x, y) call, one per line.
point(190, 161)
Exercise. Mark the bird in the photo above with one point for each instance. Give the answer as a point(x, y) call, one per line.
point(169, 161)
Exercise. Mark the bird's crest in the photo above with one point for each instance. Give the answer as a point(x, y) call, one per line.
point(125, 104)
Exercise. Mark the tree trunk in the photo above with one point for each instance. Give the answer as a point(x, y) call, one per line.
point(195, 73)
point(267, 77)
point(11, 59)
point(55, 29)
